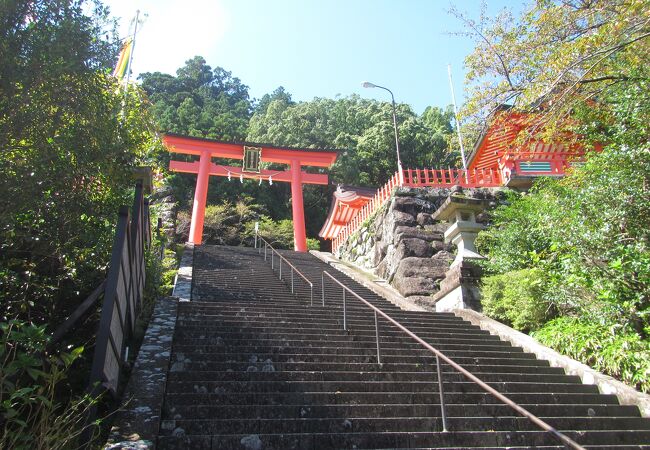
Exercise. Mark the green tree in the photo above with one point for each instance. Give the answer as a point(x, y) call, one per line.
point(363, 129)
point(564, 53)
point(587, 237)
point(70, 141)
point(199, 101)
point(278, 94)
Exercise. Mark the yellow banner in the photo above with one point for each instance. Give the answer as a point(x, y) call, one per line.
point(123, 60)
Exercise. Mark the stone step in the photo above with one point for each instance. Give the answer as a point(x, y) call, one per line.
point(289, 308)
point(211, 411)
point(242, 425)
point(201, 395)
point(208, 306)
point(356, 355)
point(256, 310)
point(261, 359)
point(394, 440)
point(371, 386)
point(352, 347)
point(308, 322)
point(216, 303)
point(191, 330)
point(283, 340)
point(312, 335)
point(253, 361)
point(180, 372)
point(319, 366)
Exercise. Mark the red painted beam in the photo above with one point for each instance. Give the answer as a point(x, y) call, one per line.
point(195, 146)
point(222, 171)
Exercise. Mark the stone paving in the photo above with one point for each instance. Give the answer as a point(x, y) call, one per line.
point(138, 419)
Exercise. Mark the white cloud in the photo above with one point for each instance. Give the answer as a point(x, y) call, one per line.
point(173, 31)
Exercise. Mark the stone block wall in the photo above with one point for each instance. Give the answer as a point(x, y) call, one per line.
point(404, 245)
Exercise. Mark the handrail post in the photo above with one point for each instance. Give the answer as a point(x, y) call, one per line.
point(292, 281)
point(272, 261)
point(311, 294)
point(345, 327)
point(443, 412)
point(377, 337)
point(280, 261)
point(322, 284)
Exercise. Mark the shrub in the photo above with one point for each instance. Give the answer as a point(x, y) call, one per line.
point(279, 234)
point(313, 244)
point(612, 348)
point(517, 298)
point(32, 415)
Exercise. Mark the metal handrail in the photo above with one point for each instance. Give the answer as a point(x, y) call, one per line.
point(291, 266)
point(439, 355)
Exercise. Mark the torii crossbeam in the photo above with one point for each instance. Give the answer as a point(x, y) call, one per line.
point(206, 149)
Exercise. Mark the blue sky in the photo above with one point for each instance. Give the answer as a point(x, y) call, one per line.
point(314, 48)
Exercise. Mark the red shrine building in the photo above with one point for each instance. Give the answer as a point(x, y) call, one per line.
point(512, 145)
point(510, 152)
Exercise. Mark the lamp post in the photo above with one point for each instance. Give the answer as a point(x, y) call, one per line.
point(367, 84)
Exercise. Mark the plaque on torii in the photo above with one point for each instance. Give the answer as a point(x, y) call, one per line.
point(251, 155)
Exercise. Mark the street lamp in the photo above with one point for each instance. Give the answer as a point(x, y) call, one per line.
point(367, 84)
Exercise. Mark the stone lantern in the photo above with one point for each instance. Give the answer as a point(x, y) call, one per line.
point(459, 289)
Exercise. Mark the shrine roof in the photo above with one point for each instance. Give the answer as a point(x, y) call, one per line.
point(177, 143)
point(478, 146)
point(499, 137)
point(346, 203)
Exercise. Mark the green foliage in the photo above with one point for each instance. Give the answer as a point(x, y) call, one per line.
point(32, 416)
point(517, 298)
point(363, 128)
point(313, 244)
point(234, 224)
point(589, 235)
point(169, 266)
point(70, 140)
point(588, 232)
point(199, 101)
point(565, 53)
point(609, 347)
point(225, 223)
point(279, 234)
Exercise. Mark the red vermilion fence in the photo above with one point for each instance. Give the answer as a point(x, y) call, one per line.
point(452, 177)
point(418, 178)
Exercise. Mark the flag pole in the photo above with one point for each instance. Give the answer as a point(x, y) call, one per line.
point(128, 66)
point(460, 138)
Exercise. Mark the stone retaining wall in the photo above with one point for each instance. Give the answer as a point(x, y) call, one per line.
point(404, 245)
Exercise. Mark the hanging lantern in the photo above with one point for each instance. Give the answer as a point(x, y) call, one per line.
point(241, 177)
point(270, 180)
point(229, 175)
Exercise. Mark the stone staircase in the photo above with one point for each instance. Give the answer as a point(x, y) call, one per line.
point(256, 367)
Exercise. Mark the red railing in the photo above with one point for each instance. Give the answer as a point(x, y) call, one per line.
point(452, 177)
point(376, 202)
point(520, 163)
point(418, 178)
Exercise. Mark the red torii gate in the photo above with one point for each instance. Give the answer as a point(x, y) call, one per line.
point(206, 149)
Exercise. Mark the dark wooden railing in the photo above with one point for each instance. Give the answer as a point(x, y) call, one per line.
point(122, 292)
point(122, 296)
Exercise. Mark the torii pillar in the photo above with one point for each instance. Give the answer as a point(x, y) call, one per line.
point(206, 149)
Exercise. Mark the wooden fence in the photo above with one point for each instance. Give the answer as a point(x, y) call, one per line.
point(123, 294)
point(123, 291)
